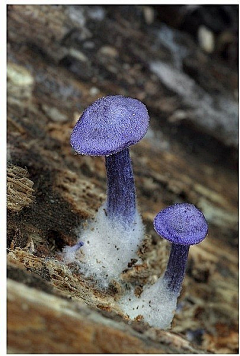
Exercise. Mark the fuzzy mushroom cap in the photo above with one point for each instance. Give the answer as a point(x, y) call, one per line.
point(109, 125)
point(181, 224)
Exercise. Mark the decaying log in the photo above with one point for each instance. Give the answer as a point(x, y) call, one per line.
point(61, 59)
point(19, 189)
point(56, 325)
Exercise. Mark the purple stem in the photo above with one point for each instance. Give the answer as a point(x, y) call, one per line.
point(176, 267)
point(121, 200)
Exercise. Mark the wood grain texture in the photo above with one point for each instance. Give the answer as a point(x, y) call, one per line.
point(39, 322)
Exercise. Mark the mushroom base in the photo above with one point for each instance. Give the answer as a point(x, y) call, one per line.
point(156, 305)
point(108, 248)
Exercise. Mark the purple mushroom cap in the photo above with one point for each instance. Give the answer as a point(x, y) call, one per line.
point(109, 125)
point(181, 224)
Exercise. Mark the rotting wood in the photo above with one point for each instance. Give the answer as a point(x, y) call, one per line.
point(59, 326)
point(19, 189)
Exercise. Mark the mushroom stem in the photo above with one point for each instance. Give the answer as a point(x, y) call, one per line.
point(121, 199)
point(176, 267)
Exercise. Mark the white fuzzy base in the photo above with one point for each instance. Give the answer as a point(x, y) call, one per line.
point(107, 248)
point(156, 304)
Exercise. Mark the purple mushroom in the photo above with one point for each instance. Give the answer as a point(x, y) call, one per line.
point(183, 225)
point(107, 128)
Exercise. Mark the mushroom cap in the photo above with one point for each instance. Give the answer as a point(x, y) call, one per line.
point(181, 224)
point(109, 125)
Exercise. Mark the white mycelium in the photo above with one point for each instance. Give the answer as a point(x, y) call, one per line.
point(108, 248)
point(157, 304)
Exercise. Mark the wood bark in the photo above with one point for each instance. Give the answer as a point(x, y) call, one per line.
point(61, 59)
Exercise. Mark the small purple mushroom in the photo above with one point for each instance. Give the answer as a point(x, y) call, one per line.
point(107, 128)
point(183, 225)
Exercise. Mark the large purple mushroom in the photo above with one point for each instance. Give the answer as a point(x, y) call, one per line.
point(183, 225)
point(107, 128)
